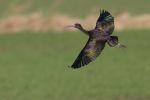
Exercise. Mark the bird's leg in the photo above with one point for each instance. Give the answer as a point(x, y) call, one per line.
point(121, 45)
point(113, 44)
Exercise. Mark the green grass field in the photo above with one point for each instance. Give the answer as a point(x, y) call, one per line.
point(34, 67)
point(76, 8)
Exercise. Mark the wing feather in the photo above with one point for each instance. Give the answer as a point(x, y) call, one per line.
point(89, 53)
point(105, 22)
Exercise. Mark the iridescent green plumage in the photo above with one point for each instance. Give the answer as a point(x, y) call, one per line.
point(105, 22)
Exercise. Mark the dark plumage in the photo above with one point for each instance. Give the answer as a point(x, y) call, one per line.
point(98, 37)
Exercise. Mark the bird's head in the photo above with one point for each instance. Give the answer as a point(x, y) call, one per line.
point(76, 25)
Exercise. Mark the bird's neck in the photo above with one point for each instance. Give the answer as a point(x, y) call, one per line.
point(82, 30)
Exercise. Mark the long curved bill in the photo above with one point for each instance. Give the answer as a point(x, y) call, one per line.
point(69, 26)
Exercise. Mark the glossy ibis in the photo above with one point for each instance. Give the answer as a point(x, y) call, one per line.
point(98, 37)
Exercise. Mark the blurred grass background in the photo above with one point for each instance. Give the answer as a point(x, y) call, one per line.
point(33, 65)
point(75, 8)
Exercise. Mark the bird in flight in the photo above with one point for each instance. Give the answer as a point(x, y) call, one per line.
point(98, 37)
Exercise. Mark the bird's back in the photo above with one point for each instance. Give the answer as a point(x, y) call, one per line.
point(98, 34)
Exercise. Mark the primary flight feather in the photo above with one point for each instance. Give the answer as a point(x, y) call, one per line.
point(98, 37)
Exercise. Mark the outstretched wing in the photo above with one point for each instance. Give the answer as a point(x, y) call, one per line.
point(105, 22)
point(92, 49)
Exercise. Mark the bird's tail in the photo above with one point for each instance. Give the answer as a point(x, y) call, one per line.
point(114, 42)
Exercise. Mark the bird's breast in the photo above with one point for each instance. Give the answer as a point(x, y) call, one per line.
point(95, 33)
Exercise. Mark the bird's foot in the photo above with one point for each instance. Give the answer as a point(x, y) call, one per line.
point(121, 46)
